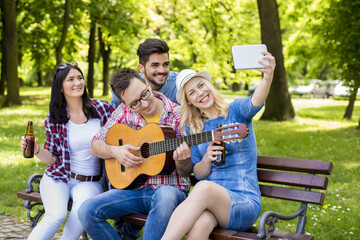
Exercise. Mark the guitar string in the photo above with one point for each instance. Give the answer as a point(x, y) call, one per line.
point(171, 144)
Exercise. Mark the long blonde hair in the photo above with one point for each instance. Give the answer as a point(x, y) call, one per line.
point(192, 116)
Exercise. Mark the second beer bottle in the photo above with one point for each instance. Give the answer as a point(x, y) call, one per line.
point(221, 158)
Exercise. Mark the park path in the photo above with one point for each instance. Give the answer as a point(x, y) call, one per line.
point(10, 228)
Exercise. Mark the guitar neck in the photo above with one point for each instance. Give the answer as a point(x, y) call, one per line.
point(171, 144)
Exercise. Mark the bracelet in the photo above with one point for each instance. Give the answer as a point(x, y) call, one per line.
point(38, 151)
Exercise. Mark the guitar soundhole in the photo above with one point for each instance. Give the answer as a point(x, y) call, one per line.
point(145, 150)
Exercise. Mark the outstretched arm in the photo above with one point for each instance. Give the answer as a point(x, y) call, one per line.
point(263, 89)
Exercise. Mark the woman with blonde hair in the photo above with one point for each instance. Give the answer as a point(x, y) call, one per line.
point(227, 195)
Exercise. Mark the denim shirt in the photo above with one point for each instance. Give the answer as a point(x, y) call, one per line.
point(239, 173)
point(169, 90)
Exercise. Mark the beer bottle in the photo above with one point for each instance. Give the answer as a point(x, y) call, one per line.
point(220, 158)
point(30, 139)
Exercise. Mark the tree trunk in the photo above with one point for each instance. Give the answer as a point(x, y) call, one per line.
point(63, 32)
point(278, 104)
point(10, 53)
point(106, 61)
point(3, 62)
point(48, 78)
point(39, 80)
point(91, 59)
point(350, 107)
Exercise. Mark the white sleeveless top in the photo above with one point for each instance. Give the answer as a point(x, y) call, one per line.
point(80, 136)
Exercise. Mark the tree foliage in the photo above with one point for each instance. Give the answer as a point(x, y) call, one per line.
point(339, 31)
point(200, 34)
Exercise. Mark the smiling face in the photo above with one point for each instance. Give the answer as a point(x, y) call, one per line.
point(73, 85)
point(198, 94)
point(138, 90)
point(156, 70)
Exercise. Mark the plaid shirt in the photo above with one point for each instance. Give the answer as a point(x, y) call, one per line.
point(57, 142)
point(170, 116)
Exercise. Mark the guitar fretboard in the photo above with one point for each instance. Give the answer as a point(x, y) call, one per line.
point(171, 144)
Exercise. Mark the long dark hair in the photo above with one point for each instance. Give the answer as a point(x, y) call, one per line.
point(57, 107)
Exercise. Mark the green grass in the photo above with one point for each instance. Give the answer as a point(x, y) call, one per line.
point(317, 133)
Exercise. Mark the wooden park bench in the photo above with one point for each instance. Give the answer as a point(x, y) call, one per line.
point(287, 179)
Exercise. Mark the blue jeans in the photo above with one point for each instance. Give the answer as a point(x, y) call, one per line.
point(157, 203)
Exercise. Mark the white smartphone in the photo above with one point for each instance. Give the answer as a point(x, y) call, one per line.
point(247, 56)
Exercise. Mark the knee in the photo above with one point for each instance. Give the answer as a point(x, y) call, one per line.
point(203, 190)
point(86, 211)
point(55, 217)
point(168, 198)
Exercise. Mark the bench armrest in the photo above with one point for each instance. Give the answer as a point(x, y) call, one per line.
point(33, 179)
point(270, 218)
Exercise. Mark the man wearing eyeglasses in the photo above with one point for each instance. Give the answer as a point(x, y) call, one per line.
point(154, 66)
point(160, 194)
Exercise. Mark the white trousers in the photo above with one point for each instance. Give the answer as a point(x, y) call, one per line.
point(55, 196)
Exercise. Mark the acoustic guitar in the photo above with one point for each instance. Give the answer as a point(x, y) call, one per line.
point(157, 143)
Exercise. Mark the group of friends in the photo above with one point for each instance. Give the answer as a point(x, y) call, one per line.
point(76, 127)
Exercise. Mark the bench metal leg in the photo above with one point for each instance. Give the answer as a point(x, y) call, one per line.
point(34, 219)
point(302, 220)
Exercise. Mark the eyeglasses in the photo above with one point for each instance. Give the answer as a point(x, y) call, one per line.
point(65, 65)
point(135, 104)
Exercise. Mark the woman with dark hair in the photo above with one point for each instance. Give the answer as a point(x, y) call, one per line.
point(73, 172)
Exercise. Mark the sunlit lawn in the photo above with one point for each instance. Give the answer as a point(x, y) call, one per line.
point(318, 132)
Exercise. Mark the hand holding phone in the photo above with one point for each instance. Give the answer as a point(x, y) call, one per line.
point(247, 56)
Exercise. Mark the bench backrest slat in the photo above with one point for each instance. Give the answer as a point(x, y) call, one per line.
point(292, 194)
point(297, 165)
point(293, 179)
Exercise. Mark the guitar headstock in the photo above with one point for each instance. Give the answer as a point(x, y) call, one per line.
point(233, 132)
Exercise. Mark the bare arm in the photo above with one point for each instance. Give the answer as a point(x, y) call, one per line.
point(263, 89)
point(203, 168)
point(44, 155)
point(122, 154)
point(182, 160)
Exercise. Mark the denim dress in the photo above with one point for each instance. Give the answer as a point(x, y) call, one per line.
point(239, 174)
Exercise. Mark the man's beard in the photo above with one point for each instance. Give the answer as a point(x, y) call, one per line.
point(153, 81)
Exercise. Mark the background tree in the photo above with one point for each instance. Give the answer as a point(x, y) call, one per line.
point(3, 62)
point(91, 58)
point(278, 104)
point(64, 31)
point(340, 30)
point(10, 54)
point(105, 50)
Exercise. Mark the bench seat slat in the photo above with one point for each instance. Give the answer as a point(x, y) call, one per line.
point(222, 234)
point(219, 234)
point(297, 165)
point(33, 196)
point(293, 179)
point(292, 194)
